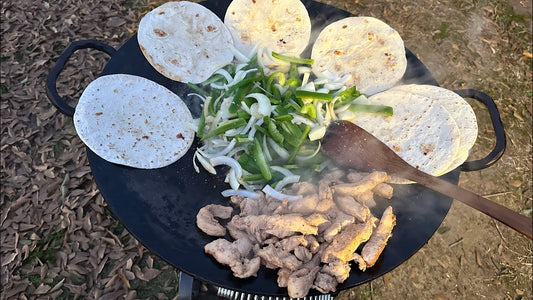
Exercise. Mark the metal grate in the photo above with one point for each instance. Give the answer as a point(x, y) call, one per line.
point(235, 295)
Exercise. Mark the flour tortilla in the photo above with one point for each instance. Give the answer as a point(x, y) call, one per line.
point(185, 41)
point(459, 109)
point(282, 26)
point(421, 132)
point(367, 49)
point(132, 121)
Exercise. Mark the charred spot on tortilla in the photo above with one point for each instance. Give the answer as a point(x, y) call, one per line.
point(126, 135)
point(184, 41)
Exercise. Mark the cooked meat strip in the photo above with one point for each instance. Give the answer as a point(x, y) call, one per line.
point(334, 176)
point(365, 184)
point(360, 261)
point(303, 254)
point(290, 243)
point(236, 200)
point(301, 281)
point(338, 269)
point(234, 255)
point(348, 240)
point(366, 199)
point(205, 219)
point(279, 225)
point(273, 257)
point(341, 220)
point(305, 206)
point(356, 176)
point(325, 197)
point(249, 207)
point(379, 238)
point(238, 229)
point(384, 190)
point(325, 283)
point(304, 188)
point(312, 244)
point(353, 208)
point(283, 277)
point(316, 219)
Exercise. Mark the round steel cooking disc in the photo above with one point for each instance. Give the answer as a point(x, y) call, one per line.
point(159, 206)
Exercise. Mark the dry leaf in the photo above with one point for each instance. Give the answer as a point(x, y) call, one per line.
point(479, 261)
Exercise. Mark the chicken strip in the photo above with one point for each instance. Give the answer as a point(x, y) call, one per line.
point(348, 240)
point(384, 190)
point(366, 199)
point(341, 220)
point(279, 225)
point(205, 219)
point(301, 281)
point(338, 269)
point(304, 206)
point(375, 245)
point(325, 283)
point(353, 208)
point(304, 188)
point(234, 255)
point(283, 277)
point(273, 257)
point(365, 184)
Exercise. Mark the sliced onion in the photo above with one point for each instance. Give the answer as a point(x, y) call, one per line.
point(226, 160)
point(225, 73)
point(265, 108)
point(278, 149)
point(287, 180)
point(231, 177)
point(304, 158)
point(282, 170)
point(238, 54)
point(252, 131)
point(226, 150)
point(297, 119)
point(278, 195)
point(244, 193)
point(205, 163)
point(197, 95)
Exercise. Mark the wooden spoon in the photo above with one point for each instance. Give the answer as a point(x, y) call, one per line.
point(351, 146)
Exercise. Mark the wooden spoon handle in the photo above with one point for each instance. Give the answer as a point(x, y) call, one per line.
point(503, 214)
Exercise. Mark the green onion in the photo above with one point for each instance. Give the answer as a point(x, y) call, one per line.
point(371, 108)
point(231, 124)
point(292, 59)
point(312, 95)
